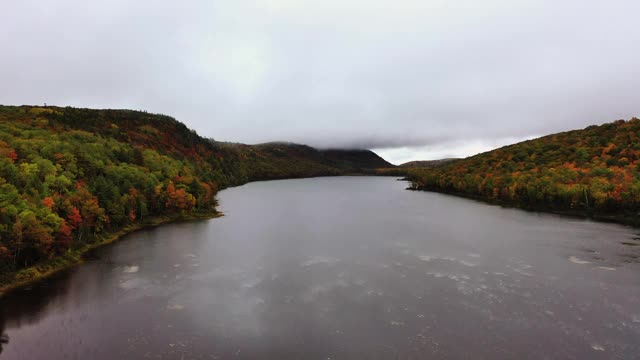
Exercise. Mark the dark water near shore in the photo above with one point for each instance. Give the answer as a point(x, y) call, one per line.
point(343, 268)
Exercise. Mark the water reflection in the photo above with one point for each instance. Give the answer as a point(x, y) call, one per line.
point(4, 339)
point(29, 305)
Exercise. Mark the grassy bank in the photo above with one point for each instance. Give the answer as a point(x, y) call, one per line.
point(25, 277)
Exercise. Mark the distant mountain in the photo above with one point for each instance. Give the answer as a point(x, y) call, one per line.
point(426, 163)
point(70, 178)
point(278, 160)
point(355, 159)
point(593, 171)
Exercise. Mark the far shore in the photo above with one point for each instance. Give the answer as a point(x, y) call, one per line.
point(622, 218)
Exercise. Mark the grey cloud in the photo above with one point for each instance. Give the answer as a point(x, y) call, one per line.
point(375, 74)
point(349, 141)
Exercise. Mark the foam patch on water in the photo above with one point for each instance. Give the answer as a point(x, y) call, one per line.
point(131, 269)
point(576, 260)
point(360, 282)
point(312, 293)
point(454, 277)
point(315, 291)
point(258, 301)
point(437, 274)
point(519, 271)
point(251, 283)
point(521, 268)
point(606, 268)
point(466, 263)
point(131, 284)
point(319, 260)
point(175, 307)
point(428, 258)
point(373, 292)
point(597, 347)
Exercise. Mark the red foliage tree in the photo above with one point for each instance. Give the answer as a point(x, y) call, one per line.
point(74, 217)
point(132, 215)
point(48, 202)
point(63, 238)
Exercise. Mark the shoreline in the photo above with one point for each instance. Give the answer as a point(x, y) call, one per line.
point(25, 277)
point(621, 218)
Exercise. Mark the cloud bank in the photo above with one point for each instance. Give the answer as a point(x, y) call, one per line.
point(419, 75)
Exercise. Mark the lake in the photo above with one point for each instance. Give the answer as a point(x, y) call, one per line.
point(342, 268)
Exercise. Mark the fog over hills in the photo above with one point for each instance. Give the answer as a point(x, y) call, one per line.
point(414, 80)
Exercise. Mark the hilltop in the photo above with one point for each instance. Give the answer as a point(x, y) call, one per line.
point(594, 171)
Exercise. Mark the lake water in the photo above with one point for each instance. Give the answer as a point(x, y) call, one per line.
point(343, 268)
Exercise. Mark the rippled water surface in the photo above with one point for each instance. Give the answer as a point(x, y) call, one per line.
point(343, 268)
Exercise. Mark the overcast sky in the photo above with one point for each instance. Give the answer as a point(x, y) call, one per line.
point(411, 79)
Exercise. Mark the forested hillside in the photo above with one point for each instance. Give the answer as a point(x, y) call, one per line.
point(426, 163)
point(593, 171)
point(69, 177)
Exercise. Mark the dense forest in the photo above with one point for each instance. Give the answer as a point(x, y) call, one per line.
point(594, 171)
point(69, 177)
